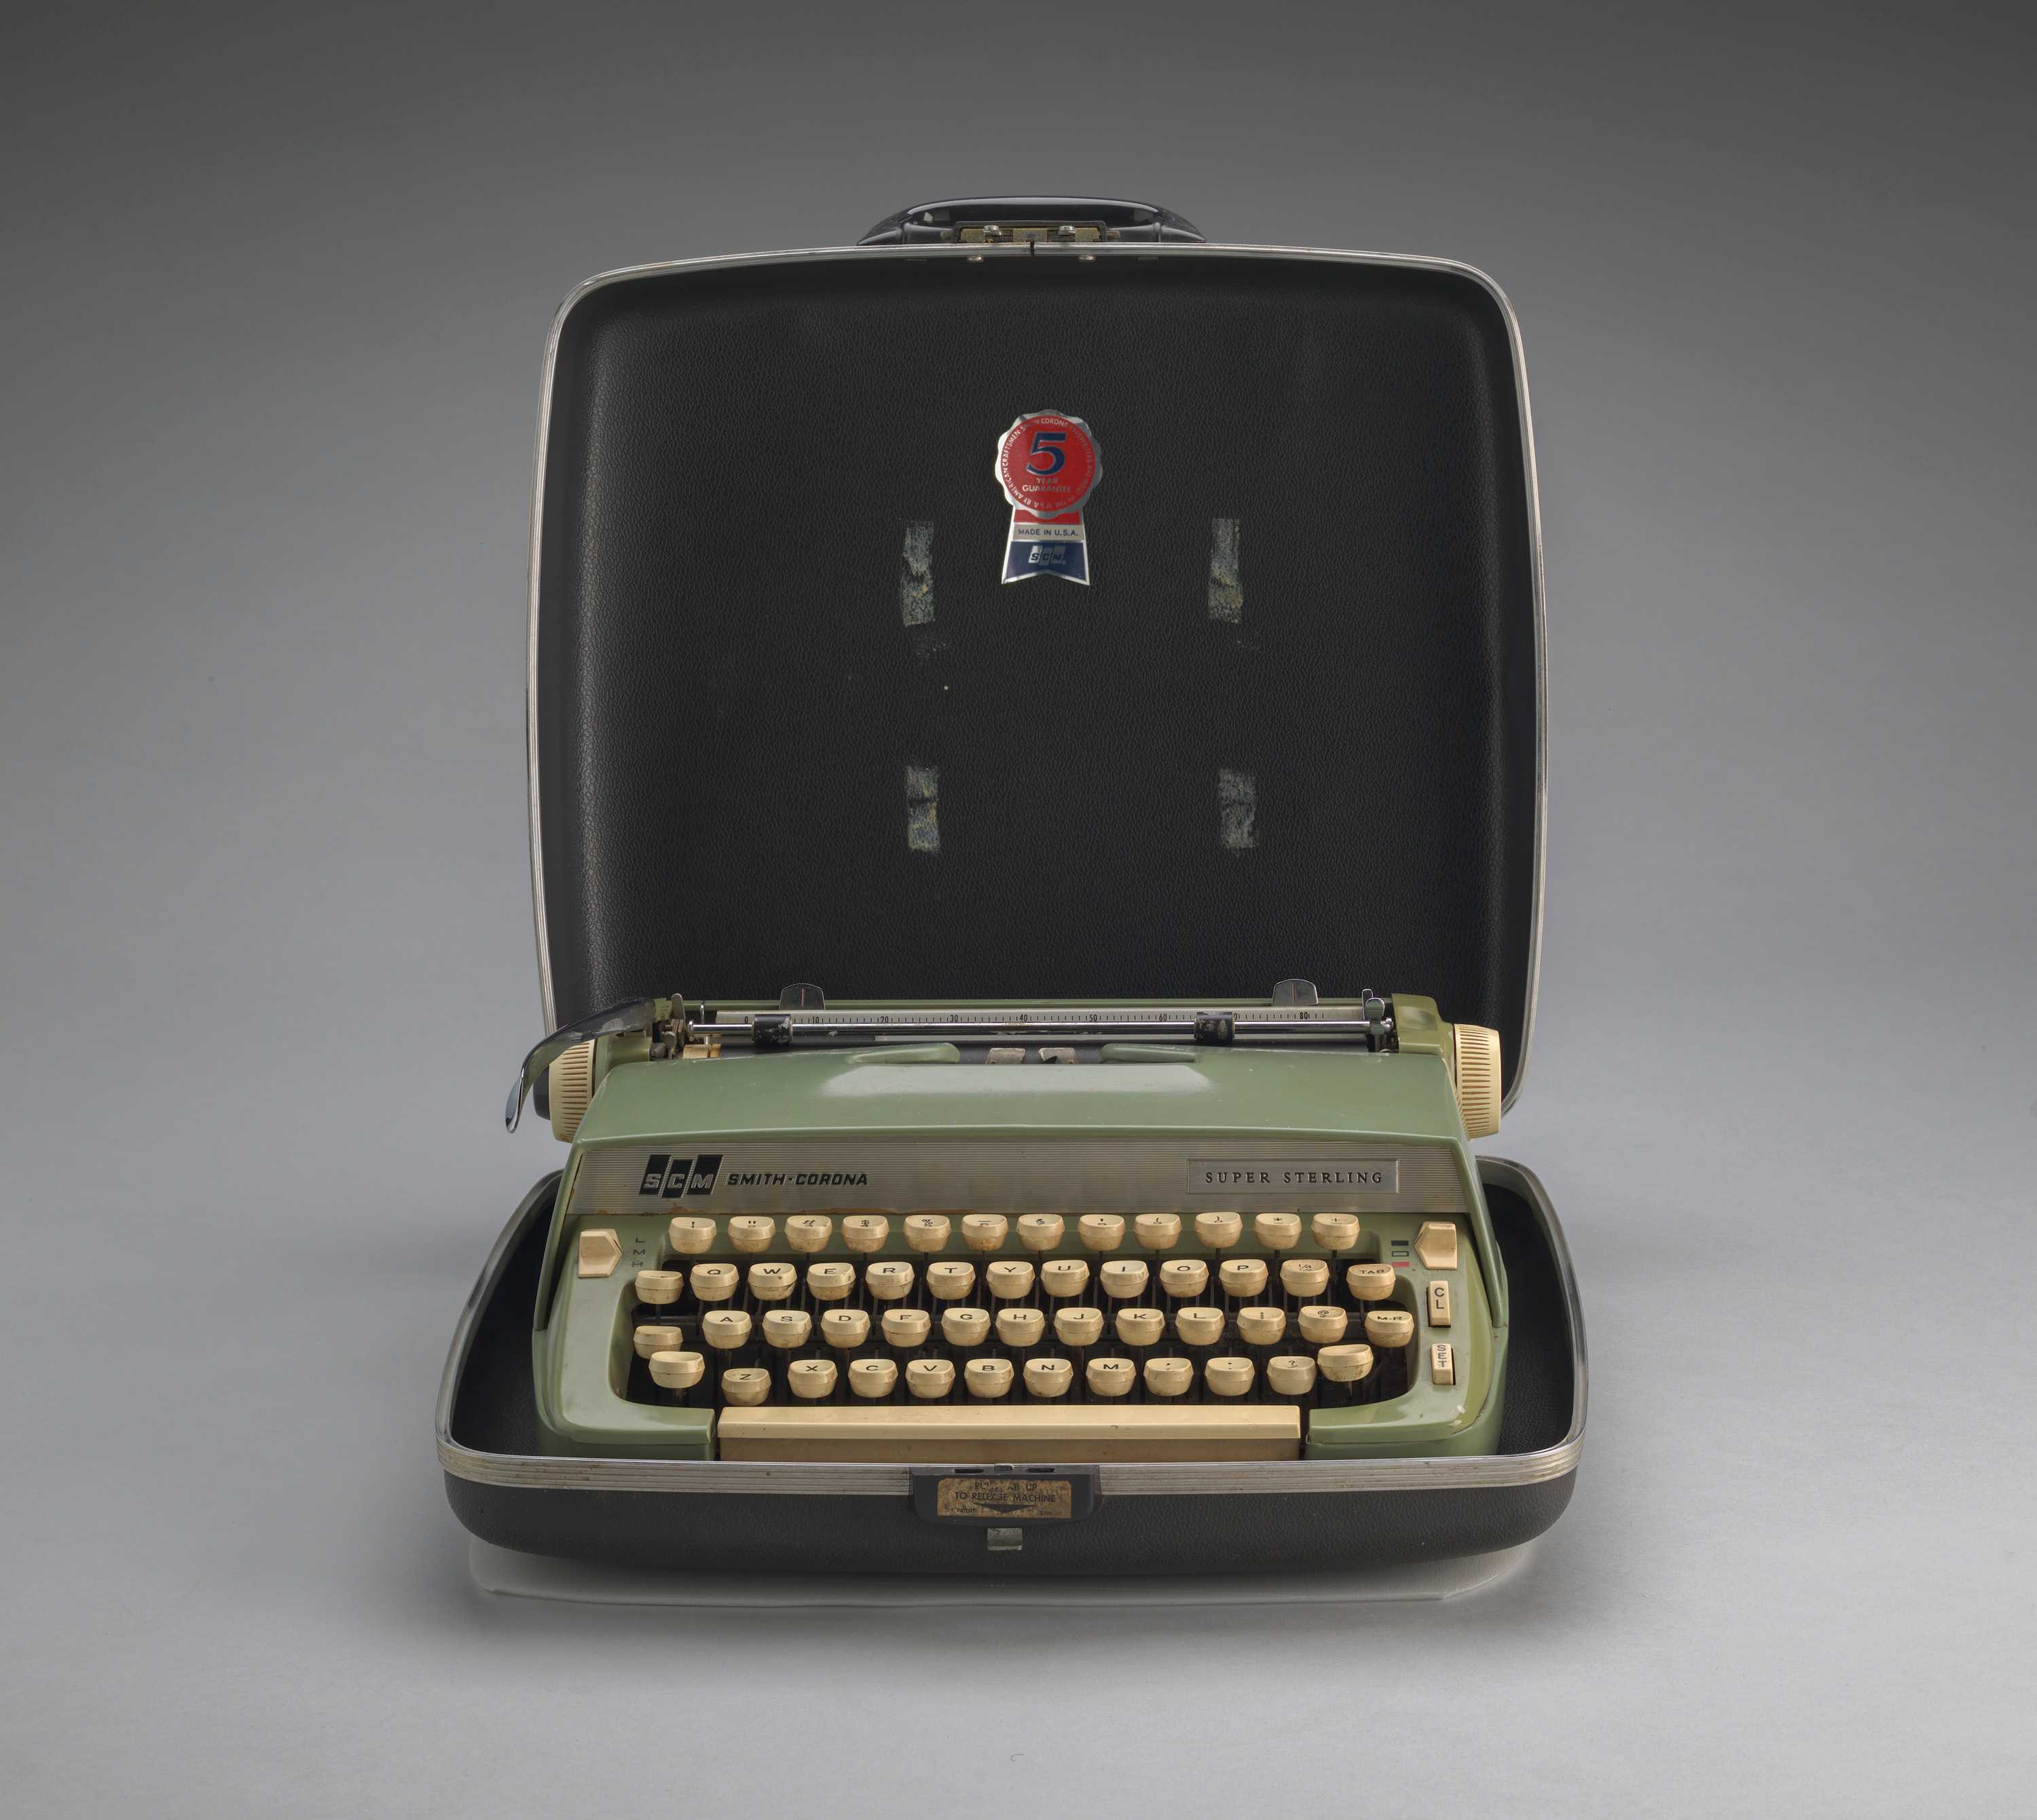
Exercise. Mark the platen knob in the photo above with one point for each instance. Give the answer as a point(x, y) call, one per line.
point(1477, 1077)
point(569, 1086)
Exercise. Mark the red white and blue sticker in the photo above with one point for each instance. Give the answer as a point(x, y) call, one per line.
point(1048, 463)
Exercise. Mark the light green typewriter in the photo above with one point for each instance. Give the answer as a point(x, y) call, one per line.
point(1053, 1232)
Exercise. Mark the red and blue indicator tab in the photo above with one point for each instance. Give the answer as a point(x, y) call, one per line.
point(1048, 463)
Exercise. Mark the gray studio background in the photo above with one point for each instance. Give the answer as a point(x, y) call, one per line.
point(278, 283)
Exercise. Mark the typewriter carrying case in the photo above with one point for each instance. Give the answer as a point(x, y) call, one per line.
point(790, 720)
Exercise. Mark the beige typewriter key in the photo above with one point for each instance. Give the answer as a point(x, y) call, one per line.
point(1436, 1245)
point(872, 1377)
point(1219, 1230)
point(864, 1232)
point(928, 1232)
point(773, 1282)
point(786, 1328)
point(1041, 1231)
point(1009, 1278)
point(1064, 1277)
point(988, 1379)
point(1184, 1277)
point(949, 1280)
point(1021, 1326)
point(1370, 1282)
point(984, 1231)
point(845, 1329)
point(906, 1328)
point(1140, 1326)
point(809, 1232)
point(1305, 1278)
point(1079, 1327)
point(1389, 1326)
point(649, 1340)
point(1122, 1278)
point(1200, 1326)
point(930, 1378)
point(1242, 1276)
point(677, 1371)
point(1157, 1231)
point(1228, 1376)
point(1049, 1378)
point(1277, 1231)
point(725, 1329)
point(746, 1385)
point(711, 1282)
point(830, 1282)
point(1101, 1231)
point(1335, 1231)
point(811, 1378)
point(1262, 1326)
point(1442, 1363)
point(659, 1288)
point(690, 1234)
point(890, 1280)
point(1292, 1374)
point(1439, 1305)
point(965, 1326)
point(1345, 1364)
point(1110, 1377)
point(752, 1231)
point(600, 1251)
point(1323, 1323)
point(1169, 1377)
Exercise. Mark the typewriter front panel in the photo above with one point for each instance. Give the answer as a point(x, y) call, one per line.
point(946, 1297)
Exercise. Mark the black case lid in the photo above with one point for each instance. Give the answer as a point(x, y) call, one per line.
point(787, 723)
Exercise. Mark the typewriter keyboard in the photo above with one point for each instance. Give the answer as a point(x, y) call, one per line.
point(987, 1337)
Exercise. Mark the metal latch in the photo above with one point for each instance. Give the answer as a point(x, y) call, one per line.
point(997, 233)
point(1004, 1497)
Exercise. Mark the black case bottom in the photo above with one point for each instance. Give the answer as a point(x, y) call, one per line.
point(1237, 1533)
point(492, 1414)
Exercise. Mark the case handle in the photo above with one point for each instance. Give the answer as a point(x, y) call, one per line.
point(992, 219)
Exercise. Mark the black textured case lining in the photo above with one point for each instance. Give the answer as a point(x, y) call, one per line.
point(492, 1412)
point(745, 697)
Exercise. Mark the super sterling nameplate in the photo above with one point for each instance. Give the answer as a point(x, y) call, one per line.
point(1048, 463)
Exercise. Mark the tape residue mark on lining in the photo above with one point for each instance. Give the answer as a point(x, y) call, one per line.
point(922, 808)
point(915, 575)
point(1226, 576)
point(1238, 809)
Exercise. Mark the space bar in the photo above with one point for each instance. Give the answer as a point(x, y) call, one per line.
point(972, 1435)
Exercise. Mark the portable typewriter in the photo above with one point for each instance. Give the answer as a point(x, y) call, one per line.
point(853, 1233)
point(1047, 629)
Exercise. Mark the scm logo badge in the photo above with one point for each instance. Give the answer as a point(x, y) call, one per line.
point(670, 1177)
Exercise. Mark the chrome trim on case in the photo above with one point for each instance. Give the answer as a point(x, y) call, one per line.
point(1144, 250)
point(1185, 1479)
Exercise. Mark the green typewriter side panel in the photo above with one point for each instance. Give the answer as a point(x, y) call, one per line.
point(1260, 1218)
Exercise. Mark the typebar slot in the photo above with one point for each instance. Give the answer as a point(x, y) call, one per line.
point(974, 1435)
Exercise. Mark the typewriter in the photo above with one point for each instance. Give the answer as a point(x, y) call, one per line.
point(1055, 1233)
point(1019, 621)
